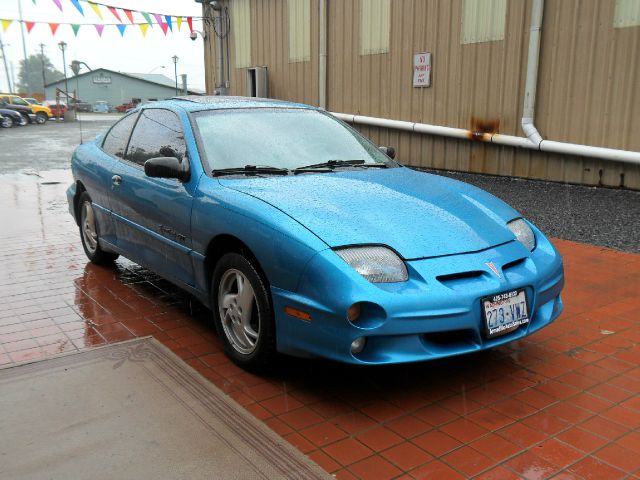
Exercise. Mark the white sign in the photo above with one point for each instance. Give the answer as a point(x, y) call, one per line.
point(422, 69)
point(101, 79)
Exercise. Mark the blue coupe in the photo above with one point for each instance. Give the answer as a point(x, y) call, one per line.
point(305, 238)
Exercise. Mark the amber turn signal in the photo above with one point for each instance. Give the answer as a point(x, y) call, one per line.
point(294, 312)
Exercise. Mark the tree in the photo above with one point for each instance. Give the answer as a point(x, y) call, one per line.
point(36, 64)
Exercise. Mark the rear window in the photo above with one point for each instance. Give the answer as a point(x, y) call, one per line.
point(115, 142)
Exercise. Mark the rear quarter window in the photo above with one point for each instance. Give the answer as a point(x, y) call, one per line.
point(115, 141)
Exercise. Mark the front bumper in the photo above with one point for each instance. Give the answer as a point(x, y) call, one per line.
point(437, 313)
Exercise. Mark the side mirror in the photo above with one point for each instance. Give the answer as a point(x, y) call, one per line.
point(167, 167)
point(388, 151)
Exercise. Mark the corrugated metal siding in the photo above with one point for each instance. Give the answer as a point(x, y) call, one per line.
point(375, 24)
point(299, 26)
point(483, 20)
point(587, 90)
point(627, 13)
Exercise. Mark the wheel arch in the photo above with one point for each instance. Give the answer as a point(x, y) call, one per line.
point(80, 188)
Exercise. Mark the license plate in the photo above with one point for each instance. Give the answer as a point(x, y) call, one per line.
point(505, 312)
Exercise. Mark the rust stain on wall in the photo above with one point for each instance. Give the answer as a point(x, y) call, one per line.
point(482, 129)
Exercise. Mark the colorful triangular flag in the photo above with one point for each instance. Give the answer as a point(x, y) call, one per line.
point(96, 9)
point(115, 13)
point(99, 29)
point(168, 19)
point(129, 14)
point(121, 28)
point(76, 3)
point(75, 27)
point(143, 28)
point(54, 28)
point(29, 26)
point(58, 4)
point(147, 17)
point(158, 18)
point(5, 24)
point(179, 22)
point(190, 22)
point(164, 27)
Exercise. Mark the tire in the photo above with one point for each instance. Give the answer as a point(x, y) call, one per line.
point(41, 118)
point(6, 122)
point(89, 233)
point(22, 122)
point(248, 336)
point(25, 116)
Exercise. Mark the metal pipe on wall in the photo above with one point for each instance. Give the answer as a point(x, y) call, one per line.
point(322, 70)
point(531, 82)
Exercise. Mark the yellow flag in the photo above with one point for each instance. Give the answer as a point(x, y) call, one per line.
point(143, 28)
point(179, 21)
point(96, 9)
point(5, 24)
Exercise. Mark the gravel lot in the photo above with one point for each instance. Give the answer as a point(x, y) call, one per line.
point(600, 216)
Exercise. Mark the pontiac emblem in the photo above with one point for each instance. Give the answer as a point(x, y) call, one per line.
point(494, 269)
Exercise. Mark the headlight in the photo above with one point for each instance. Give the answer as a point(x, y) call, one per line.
point(376, 264)
point(523, 233)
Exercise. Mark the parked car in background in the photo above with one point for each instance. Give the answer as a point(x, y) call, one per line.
point(41, 112)
point(25, 111)
point(100, 107)
point(15, 117)
point(306, 238)
point(5, 122)
point(32, 101)
point(58, 108)
point(82, 107)
point(125, 107)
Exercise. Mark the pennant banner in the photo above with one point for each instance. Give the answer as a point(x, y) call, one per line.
point(147, 17)
point(129, 14)
point(75, 27)
point(179, 22)
point(54, 28)
point(96, 9)
point(115, 13)
point(58, 4)
point(143, 28)
point(99, 29)
point(29, 25)
point(190, 23)
point(164, 27)
point(168, 19)
point(5, 24)
point(121, 28)
point(76, 3)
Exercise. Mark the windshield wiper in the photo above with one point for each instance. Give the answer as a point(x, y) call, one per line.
point(331, 164)
point(250, 170)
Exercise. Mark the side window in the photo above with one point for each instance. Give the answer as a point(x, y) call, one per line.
point(158, 133)
point(116, 140)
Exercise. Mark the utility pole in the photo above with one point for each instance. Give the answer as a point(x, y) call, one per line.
point(175, 70)
point(44, 78)
point(24, 50)
point(6, 67)
point(63, 47)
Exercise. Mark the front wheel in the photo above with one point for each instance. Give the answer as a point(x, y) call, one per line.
point(89, 233)
point(242, 312)
point(41, 118)
point(6, 122)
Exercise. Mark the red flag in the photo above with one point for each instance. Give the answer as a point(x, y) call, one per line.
point(190, 22)
point(128, 14)
point(115, 13)
point(53, 27)
point(164, 27)
point(29, 26)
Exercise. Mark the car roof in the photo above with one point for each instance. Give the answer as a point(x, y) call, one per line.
point(194, 103)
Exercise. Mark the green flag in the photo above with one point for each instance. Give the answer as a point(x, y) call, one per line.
point(147, 18)
point(75, 29)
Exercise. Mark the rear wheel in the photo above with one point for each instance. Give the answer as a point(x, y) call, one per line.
point(6, 122)
point(89, 233)
point(25, 117)
point(41, 118)
point(242, 312)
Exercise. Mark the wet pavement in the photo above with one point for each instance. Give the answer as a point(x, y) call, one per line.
point(563, 403)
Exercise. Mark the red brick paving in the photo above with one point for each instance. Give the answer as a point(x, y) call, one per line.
point(563, 403)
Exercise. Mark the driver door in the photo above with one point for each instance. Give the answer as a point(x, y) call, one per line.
point(153, 215)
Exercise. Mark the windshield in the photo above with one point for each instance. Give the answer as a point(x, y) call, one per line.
point(19, 101)
point(283, 138)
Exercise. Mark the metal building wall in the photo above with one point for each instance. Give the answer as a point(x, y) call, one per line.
point(587, 89)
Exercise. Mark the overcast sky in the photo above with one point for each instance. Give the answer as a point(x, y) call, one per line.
point(132, 53)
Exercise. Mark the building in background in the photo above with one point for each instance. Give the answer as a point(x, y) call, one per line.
point(117, 88)
point(472, 80)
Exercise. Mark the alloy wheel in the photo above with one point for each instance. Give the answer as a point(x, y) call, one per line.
point(238, 313)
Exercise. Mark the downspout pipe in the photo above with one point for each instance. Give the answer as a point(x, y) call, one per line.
point(217, 38)
point(322, 67)
point(531, 82)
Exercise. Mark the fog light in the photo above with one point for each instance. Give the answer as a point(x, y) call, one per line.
point(353, 313)
point(358, 345)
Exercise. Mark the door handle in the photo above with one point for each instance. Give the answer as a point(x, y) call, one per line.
point(116, 180)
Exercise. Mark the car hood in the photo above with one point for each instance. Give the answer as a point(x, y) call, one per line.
point(417, 214)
